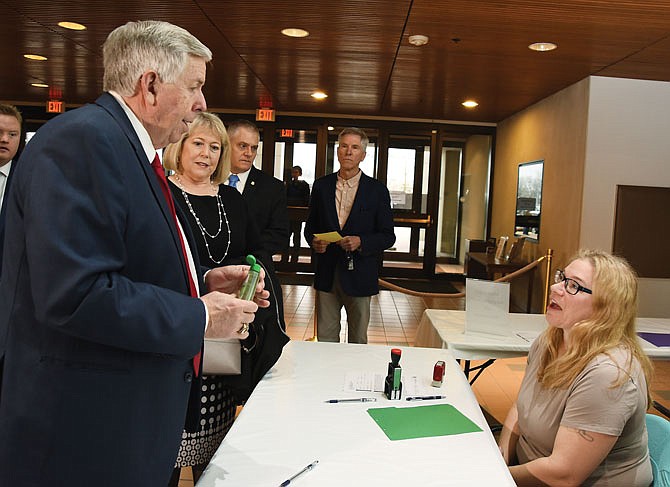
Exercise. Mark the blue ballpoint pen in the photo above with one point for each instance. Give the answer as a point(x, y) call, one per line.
point(304, 470)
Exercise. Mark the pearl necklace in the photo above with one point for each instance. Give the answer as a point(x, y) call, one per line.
point(203, 231)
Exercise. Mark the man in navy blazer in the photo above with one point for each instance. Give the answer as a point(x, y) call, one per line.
point(98, 325)
point(358, 207)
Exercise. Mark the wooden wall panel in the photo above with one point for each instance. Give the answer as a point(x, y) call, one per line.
point(553, 130)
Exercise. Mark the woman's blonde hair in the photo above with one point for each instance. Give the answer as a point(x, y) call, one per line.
point(612, 325)
point(172, 153)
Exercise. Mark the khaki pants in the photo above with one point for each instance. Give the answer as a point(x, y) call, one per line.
point(329, 306)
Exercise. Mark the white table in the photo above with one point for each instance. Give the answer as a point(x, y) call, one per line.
point(446, 329)
point(286, 425)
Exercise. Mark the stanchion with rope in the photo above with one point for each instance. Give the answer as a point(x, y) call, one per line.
point(547, 280)
point(316, 326)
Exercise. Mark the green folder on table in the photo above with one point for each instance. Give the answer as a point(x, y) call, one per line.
point(422, 421)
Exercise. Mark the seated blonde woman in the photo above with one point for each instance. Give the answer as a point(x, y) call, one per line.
point(580, 415)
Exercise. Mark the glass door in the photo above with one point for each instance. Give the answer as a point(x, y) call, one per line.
point(295, 156)
point(407, 174)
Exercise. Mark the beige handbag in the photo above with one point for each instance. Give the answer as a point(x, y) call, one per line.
point(222, 357)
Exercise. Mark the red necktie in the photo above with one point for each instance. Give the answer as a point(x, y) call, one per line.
point(162, 180)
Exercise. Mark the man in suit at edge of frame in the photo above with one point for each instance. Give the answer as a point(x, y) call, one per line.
point(10, 140)
point(100, 324)
point(347, 272)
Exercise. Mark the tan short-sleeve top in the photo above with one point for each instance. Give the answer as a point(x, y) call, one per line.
point(591, 404)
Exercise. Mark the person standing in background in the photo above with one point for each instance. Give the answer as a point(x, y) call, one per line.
point(297, 194)
point(10, 139)
point(265, 196)
point(347, 272)
point(101, 326)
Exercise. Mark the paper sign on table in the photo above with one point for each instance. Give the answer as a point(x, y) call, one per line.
point(486, 307)
point(422, 421)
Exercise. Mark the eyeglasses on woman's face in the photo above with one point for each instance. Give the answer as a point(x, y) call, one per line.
point(571, 286)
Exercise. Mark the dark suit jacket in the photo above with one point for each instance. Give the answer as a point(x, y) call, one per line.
point(97, 329)
point(297, 193)
point(371, 219)
point(2, 208)
point(266, 199)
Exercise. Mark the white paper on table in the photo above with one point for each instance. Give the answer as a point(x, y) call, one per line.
point(374, 382)
point(486, 307)
point(364, 381)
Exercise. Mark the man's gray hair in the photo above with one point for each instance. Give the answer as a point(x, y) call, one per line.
point(355, 131)
point(136, 47)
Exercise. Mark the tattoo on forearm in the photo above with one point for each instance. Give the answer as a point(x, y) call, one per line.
point(586, 435)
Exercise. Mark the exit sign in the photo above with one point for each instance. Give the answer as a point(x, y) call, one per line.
point(265, 115)
point(288, 133)
point(55, 106)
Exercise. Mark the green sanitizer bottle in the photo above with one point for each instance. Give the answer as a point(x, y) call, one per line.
point(248, 289)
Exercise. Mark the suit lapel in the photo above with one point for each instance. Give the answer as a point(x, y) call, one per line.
point(250, 185)
point(5, 200)
point(330, 203)
point(109, 103)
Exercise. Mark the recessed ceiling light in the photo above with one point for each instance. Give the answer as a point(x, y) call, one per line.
point(293, 32)
point(39, 85)
point(542, 46)
point(331, 128)
point(319, 95)
point(72, 25)
point(35, 57)
point(418, 40)
point(470, 104)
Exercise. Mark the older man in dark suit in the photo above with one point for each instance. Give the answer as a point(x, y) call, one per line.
point(100, 324)
point(358, 207)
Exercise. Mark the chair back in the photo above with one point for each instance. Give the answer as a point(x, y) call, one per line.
point(658, 430)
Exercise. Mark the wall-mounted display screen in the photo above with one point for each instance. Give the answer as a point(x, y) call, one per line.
point(529, 200)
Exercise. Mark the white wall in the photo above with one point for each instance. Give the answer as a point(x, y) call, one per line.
point(628, 142)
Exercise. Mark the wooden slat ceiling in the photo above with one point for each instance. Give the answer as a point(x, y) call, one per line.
point(358, 51)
